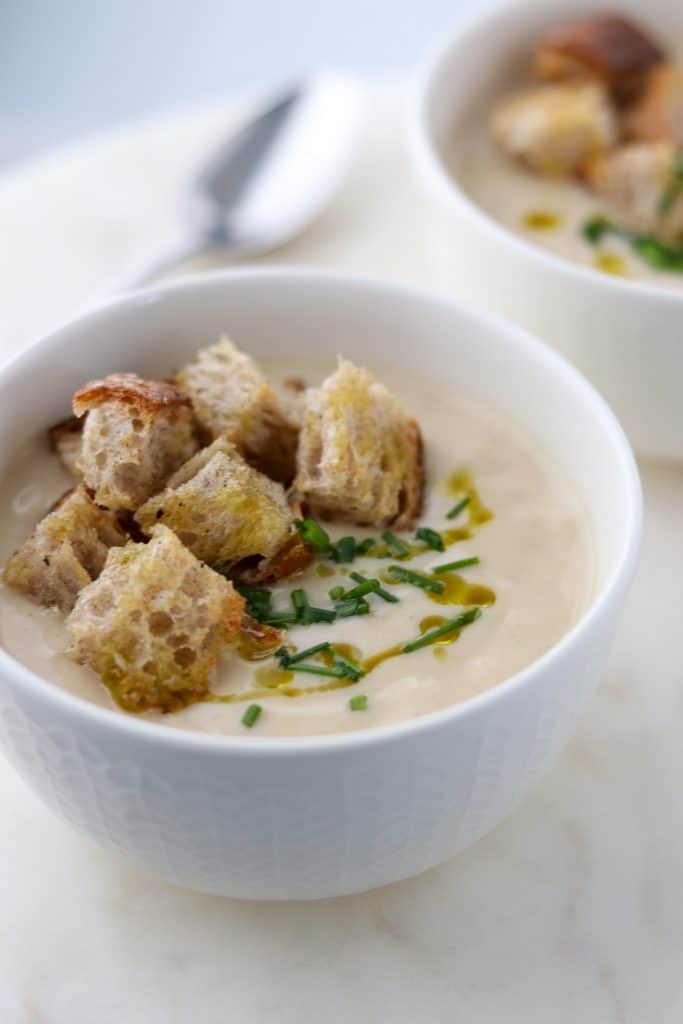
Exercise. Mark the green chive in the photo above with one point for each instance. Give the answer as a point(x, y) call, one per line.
point(299, 601)
point(452, 566)
point(457, 509)
point(336, 593)
point(431, 538)
point(595, 229)
point(287, 659)
point(448, 627)
point(279, 619)
point(358, 703)
point(352, 669)
point(396, 543)
point(363, 588)
point(320, 670)
point(380, 591)
point(311, 615)
point(346, 549)
point(365, 546)
point(312, 533)
point(251, 715)
point(416, 579)
point(354, 606)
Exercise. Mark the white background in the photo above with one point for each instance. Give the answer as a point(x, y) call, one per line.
point(69, 68)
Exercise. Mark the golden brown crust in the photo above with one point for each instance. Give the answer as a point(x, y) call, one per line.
point(413, 492)
point(294, 556)
point(605, 46)
point(148, 396)
point(658, 116)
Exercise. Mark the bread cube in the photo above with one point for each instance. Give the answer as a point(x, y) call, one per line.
point(555, 129)
point(360, 456)
point(136, 434)
point(224, 510)
point(606, 47)
point(154, 624)
point(658, 115)
point(233, 399)
point(66, 551)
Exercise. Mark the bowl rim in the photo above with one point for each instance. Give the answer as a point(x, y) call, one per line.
point(616, 582)
point(430, 165)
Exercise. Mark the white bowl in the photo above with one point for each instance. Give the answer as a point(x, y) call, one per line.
point(626, 336)
point(286, 818)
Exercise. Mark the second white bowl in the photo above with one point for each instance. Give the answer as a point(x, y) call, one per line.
point(627, 337)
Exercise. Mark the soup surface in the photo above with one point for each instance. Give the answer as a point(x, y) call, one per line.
point(534, 579)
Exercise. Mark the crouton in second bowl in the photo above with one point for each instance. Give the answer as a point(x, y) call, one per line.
point(297, 817)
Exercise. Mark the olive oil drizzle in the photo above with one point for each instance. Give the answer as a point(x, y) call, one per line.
point(271, 680)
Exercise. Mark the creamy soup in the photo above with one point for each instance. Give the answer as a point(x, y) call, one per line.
point(534, 579)
point(549, 212)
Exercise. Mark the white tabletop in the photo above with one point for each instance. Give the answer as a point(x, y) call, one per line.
point(571, 911)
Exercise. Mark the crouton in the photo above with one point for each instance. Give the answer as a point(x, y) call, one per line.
point(555, 129)
point(154, 623)
point(635, 179)
point(232, 398)
point(65, 552)
point(659, 113)
point(136, 434)
point(223, 509)
point(66, 439)
point(360, 456)
point(606, 47)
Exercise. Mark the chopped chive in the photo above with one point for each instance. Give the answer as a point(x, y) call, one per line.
point(595, 229)
point(365, 546)
point(279, 619)
point(312, 533)
point(299, 601)
point(457, 509)
point(291, 659)
point(416, 579)
point(431, 538)
point(380, 591)
point(363, 588)
point(353, 606)
point(452, 566)
point(448, 627)
point(336, 593)
point(352, 668)
point(396, 543)
point(320, 670)
point(358, 703)
point(251, 715)
point(310, 615)
point(346, 549)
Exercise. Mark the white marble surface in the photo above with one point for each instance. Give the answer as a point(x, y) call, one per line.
point(570, 911)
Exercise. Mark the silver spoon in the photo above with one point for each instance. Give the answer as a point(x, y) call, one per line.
point(266, 182)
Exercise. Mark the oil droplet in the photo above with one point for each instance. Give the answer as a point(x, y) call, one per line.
point(324, 570)
point(542, 220)
point(461, 485)
point(438, 652)
point(272, 678)
point(257, 641)
point(458, 591)
point(376, 659)
point(432, 622)
point(610, 263)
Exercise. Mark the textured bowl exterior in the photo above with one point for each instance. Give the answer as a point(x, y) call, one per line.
point(322, 816)
point(625, 337)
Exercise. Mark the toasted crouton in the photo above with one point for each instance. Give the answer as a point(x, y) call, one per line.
point(65, 552)
point(66, 439)
point(136, 434)
point(360, 456)
point(555, 129)
point(153, 624)
point(232, 399)
point(635, 179)
point(659, 113)
point(607, 47)
point(223, 509)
